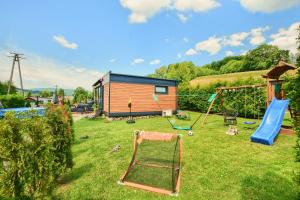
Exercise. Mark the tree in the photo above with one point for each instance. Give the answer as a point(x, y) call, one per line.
point(4, 88)
point(264, 57)
point(61, 92)
point(45, 93)
point(216, 65)
point(29, 94)
point(80, 95)
point(205, 71)
point(298, 55)
point(232, 66)
point(161, 72)
point(183, 72)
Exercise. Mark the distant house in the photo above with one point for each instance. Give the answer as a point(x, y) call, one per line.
point(41, 100)
point(113, 91)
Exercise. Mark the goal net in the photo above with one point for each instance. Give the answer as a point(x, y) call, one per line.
point(156, 163)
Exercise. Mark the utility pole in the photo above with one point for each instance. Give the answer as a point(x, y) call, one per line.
point(16, 58)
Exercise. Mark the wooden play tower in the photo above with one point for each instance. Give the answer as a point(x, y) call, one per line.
point(274, 83)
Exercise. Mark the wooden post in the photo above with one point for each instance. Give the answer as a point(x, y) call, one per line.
point(218, 91)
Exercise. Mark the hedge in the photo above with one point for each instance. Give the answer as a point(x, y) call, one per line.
point(12, 101)
point(248, 102)
point(34, 152)
point(292, 86)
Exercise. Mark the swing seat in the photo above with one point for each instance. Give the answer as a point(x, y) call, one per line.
point(185, 128)
point(230, 117)
point(249, 123)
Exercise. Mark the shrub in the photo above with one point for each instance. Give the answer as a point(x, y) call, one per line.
point(292, 88)
point(34, 151)
point(12, 101)
point(248, 103)
point(4, 88)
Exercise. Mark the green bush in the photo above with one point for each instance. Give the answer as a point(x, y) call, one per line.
point(248, 102)
point(232, 66)
point(12, 101)
point(292, 88)
point(34, 151)
point(4, 88)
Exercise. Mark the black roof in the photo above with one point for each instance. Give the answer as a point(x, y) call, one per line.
point(116, 77)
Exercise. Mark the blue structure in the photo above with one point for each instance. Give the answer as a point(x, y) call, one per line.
point(271, 123)
point(40, 111)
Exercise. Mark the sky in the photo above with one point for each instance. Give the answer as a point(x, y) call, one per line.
point(73, 43)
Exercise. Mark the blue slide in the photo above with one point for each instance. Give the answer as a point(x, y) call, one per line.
point(271, 123)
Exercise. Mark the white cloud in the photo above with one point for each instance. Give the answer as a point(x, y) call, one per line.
point(268, 6)
point(41, 72)
point(286, 38)
point(236, 39)
point(183, 18)
point(257, 36)
point(138, 61)
point(229, 53)
point(185, 39)
point(142, 10)
point(196, 5)
point(179, 56)
point(191, 52)
point(212, 45)
point(112, 60)
point(64, 42)
point(155, 62)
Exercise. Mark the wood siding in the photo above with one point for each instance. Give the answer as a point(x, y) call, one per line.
point(141, 96)
point(106, 97)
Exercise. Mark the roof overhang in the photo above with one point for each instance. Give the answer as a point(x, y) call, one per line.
point(278, 70)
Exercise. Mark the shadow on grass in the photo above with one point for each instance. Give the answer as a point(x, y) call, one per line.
point(270, 186)
point(75, 174)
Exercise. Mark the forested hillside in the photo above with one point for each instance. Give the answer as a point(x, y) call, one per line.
point(261, 58)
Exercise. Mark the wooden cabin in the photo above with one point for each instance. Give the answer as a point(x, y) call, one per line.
point(112, 93)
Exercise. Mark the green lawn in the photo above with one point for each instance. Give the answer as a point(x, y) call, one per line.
point(215, 165)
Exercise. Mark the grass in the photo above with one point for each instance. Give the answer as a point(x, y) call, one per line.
point(215, 165)
point(204, 81)
point(208, 80)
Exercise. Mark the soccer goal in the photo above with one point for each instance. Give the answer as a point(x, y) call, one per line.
point(156, 163)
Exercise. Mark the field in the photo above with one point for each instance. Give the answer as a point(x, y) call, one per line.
point(207, 80)
point(215, 165)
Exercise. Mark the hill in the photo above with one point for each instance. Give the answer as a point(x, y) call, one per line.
point(68, 92)
point(207, 80)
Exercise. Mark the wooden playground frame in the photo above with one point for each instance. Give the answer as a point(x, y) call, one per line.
point(272, 79)
point(219, 92)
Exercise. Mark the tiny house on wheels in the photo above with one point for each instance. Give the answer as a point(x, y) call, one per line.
point(113, 92)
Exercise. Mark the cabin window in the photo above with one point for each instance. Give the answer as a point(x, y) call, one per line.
point(161, 89)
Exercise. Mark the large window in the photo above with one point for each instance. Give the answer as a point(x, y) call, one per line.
point(161, 89)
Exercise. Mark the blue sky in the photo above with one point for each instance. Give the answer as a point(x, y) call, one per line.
point(71, 43)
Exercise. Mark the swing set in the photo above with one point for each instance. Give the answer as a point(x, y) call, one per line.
point(238, 93)
point(189, 128)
